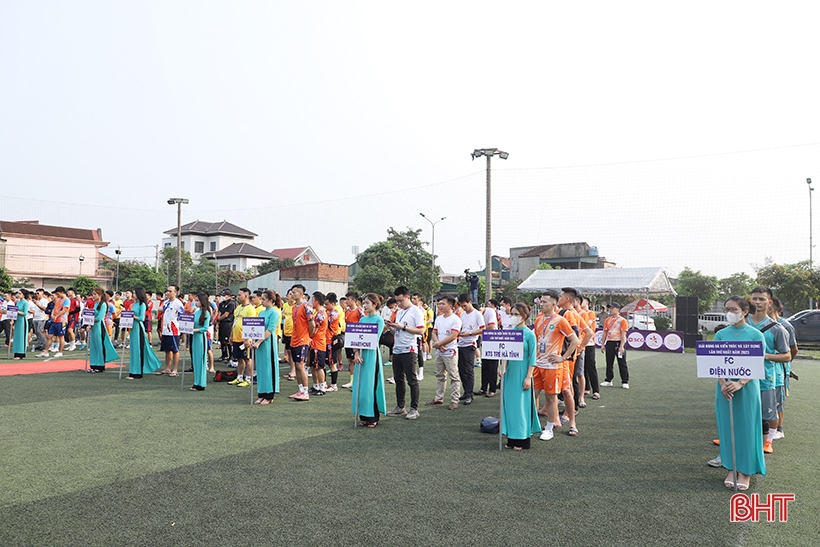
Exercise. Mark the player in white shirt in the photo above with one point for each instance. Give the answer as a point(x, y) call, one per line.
point(445, 333)
point(407, 329)
point(472, 323)
point(489, 367)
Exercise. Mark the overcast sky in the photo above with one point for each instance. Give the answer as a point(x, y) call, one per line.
point(664, 134)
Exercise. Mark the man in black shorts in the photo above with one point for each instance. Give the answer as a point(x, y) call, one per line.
point(225, 318)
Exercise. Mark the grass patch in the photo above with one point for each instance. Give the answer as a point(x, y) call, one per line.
point(92, 460)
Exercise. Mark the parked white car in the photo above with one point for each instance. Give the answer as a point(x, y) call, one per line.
point(712, 322)
point(640, 322)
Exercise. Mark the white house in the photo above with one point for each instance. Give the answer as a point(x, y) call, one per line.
point(205, 238)
point(239, 257)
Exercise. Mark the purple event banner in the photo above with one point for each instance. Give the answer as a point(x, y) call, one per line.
point(650, 340)
point(502, 336)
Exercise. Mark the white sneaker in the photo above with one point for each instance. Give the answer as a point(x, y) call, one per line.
point(606, 384)
point(715, 462)
point(778, 435)
point(420, 375)
point(58, 354)
point(42, 354)
point(391, 380)
point(547, 435)
point(72, 347)
point(625, 386)
point(347, 385)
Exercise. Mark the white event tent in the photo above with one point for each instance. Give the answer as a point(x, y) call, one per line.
point(623, 281)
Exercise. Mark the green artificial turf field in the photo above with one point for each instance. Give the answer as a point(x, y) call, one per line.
point(93, 460)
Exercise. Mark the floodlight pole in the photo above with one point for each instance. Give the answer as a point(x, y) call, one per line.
point(488, 266)
point(178, 202)
point(433, 247)
point(811, 242)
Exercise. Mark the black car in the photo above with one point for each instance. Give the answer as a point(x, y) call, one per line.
point(806, 326)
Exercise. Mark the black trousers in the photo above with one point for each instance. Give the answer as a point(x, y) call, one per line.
point(404, 369)
point(489, 375)
point(611, 354)
point(466, 360)
point(590, 372)
point(225, 339)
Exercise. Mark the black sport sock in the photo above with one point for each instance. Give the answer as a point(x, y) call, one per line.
point(334, 375)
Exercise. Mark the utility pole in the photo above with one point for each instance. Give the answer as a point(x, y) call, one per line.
point(488, 272)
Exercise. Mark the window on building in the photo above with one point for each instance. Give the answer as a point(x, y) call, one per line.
point(306, 257)
point(233, 267)
point(199, 246)
point(213, 246)
point(182, 245)
point(167, 244)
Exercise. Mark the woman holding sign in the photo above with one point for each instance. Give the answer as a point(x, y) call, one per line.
point(100, 348)
point(21, 325)
point(199, 342)
point(267, 355)
point(745, 397)
point(519, 415)
point(368, 389)
point(142, 359)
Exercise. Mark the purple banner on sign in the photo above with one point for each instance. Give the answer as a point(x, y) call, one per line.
point(650, 340)
point(361, 328)
point(730, 348)
point(496, 335)
point(253, 321)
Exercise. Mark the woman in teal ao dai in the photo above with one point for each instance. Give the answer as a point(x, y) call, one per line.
point(142, 359)
point(100, 348)
point(745, 396)
point(21, 325)
point(519, 415)
point(368, 384)
point(267, 352)
point(199, 342)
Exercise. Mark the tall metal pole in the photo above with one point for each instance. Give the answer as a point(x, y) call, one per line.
point(433, 247)
point(811, 242)
point(117, 282)
point(488, 289)
point(179, 243)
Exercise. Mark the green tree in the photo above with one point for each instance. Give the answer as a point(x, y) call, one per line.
point(399, 260)
point(168, 264)
point(84, 285)
point(6, 281)
point(275, 264)
point(793, 284)
point(705, 287)
point(137, 274)
point(737, 283)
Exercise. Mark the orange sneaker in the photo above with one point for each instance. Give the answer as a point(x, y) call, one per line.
point(716, 441)
point(767, 447)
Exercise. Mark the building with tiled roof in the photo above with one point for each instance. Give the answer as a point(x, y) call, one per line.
point(205, 238)
point(567, 256)
point(300, 255)
point(51, 255)
point(240, 256)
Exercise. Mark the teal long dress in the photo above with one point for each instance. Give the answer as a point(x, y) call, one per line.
point(267, 357)
point(199, 349)
point(21, 329)
point(100, 348)
point(519, 415)
point(368, 399)
point(746, 407)
point(142, 359)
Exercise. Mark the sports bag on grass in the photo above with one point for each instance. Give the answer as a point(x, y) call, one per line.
point(489, 425)
point(225, 375)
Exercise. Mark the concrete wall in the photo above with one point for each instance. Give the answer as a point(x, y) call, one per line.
point(47, 258)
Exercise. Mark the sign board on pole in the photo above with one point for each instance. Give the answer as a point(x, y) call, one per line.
point(127, 320)
point(186, 323)
point(362, 336)
point(730, 359)
point(253, 328)
point(11, 313)
point(88, 318)
point(502, 344)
